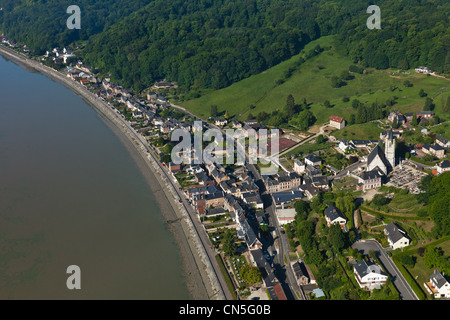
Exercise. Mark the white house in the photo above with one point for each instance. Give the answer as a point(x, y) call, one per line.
point(442, 167)
point(299, 166)
point(337, 122)
point(344, 145)
point(396, 237)
point(333, 216)
point(369, 275)
point(438, 285)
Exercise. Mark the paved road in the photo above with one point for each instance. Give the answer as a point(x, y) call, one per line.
point(406, 293)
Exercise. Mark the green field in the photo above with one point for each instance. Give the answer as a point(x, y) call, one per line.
point(312, 81)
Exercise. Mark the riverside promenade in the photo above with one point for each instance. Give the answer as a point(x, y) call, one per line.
point(203, 276)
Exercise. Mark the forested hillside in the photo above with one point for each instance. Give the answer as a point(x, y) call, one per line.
point(214, 43)
point(41, 24)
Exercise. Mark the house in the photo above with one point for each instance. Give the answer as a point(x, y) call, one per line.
point(300, 273)
point(337, 122)
point(370, 179)
point(174, 167)
point(396, 237)
point(444, 143)
point(284, 197)
point(442, 167)
point(334, 216)
point(215, 200)
point(369, 275)
point(236, 124)
point(220, 122)
point(299, 166)
point(434, 149)
point(282, 181)
point(253, 199)
point(425, 114)
point(362, 143)
point(345, 145)
point(163, 85)
point(422, 70)
point(438, 286)
point(320, 182)
point(312, 160)
point(309, 190)
point(285, 216)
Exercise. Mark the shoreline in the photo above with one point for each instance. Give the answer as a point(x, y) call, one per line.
point(200, 278)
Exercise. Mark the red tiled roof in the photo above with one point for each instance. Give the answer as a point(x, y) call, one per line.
point(336, 119)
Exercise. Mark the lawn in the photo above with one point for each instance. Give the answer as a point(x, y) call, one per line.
point(365, 131)
point(312, 81)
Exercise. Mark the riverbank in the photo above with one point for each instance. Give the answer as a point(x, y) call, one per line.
point(200, 278)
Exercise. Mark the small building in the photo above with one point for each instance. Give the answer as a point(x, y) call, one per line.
point(333, 216)
point(300, 273)
point(442, 167)
point(285, 216)
point(422, 70)
point(396, 237)
point(299, 166)
point(434, 149)
point(174, 167)
point(444, 143)
point(220, 122)
point(438, 286)
point(312, 160)
point(369, 275)
point(284, 197)
point(337, 122)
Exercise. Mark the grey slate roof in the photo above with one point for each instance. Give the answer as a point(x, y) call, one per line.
point(393, 232)
point(363, 268)
point(438, 278)
point(332, 213)
point(377, 151)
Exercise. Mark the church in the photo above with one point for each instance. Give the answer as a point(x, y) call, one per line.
point(379, 163)
point(383, 159)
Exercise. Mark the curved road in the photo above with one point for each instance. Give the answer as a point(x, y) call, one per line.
point(400, 283)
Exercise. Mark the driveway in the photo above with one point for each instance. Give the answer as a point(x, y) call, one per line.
point(364, 246)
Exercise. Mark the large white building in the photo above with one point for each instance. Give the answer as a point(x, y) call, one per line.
point(369, 275)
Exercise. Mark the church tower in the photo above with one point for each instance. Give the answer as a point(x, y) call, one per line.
point(389, 148)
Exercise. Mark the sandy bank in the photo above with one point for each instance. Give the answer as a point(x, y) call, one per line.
point(201, 280)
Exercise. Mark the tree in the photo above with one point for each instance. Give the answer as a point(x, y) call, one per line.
point(291, 108)
point(414, 119)
point(327, 104)
point(250, 275)
point(227, 243)
point(336, 237)
point(429, 105)
point(213, 110)
point(302, 210)
point(422, 93)
point(407, 83)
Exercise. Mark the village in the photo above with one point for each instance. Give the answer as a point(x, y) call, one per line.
point(247, 216)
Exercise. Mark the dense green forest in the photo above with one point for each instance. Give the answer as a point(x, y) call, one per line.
point(41, 24)
point(214, 43)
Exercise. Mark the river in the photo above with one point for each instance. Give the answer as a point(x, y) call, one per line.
point(71, 194)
